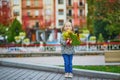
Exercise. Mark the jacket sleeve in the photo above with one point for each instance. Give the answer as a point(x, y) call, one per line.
point(62, 41)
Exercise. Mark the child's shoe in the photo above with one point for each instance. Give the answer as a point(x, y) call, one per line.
point(70, 75)
point(66, 75)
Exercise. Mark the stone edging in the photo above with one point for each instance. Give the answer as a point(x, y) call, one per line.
point(82, 72)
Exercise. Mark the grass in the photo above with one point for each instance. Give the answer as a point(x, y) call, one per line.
point(112, 68)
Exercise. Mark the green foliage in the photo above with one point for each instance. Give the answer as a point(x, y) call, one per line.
point(114, 69)
point(115, 40)
point(74, 37)
point(75, 40)
point(106, 68)
point(100, 38)
point(92, 38)
point(99, 27)
point(90, 15)
point(3, 32)
point(108, 13)
point(2, 29)
point(14, 30)
point(105, 16)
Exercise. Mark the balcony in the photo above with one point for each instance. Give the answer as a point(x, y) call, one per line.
point(33, 17)
point(32, 7)
point(69, 16)
point(69, 6)
point(81, 6)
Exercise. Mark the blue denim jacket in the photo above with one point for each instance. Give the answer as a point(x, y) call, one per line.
point(66, 49)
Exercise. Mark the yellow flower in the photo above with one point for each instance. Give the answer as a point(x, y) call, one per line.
point(66, 34)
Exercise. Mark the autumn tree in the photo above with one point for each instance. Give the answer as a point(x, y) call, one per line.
point(107, 18)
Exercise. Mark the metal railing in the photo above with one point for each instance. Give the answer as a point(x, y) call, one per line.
point(36, 48)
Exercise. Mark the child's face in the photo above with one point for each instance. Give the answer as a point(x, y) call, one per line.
point(68, 26)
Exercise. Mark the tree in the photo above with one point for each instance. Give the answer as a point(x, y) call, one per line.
point(107, 20)
point(2, 29)
point(5, 12)
point(14, 30)
point(100, 38)
point(90, 15)
point(104, 17)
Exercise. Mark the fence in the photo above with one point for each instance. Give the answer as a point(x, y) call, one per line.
point(56, 48)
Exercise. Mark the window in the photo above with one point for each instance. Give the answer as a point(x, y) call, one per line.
point(60, 1)
point(80, 3)
point(36, 24)
point(70, 13)
point(70, 20)
point(36, 3)
point(48, 2)
point(36, 12)
point(28, 3)
point(16, 12)
point(69, 2)
point(81, 12)
point(48, 12)
point(60, 22)
point(60, 12)
point(15, 2)
point(28, 13)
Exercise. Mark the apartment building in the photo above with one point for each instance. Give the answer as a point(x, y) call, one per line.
point(32, 17)
point(60, 13)
point(16, 9)
point(5, 12)
point(48, 14)
point(76, 11)
point(32, 13)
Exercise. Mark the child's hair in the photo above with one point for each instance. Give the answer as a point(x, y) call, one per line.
point(62, 29)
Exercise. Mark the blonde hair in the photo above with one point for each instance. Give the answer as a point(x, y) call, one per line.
point(62, 29)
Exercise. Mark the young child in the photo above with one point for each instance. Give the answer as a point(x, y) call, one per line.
point(67, 50)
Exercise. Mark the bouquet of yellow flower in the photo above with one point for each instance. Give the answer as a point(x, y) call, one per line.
point(71, 35)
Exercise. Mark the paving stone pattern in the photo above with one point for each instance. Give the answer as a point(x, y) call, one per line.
point(12, 73)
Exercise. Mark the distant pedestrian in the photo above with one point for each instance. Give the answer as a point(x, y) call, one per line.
point(67, 49)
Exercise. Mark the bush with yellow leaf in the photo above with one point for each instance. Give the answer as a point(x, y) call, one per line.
point(71, 35)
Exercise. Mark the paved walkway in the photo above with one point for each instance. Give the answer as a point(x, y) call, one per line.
point(10, 73)
point(58, 60)
point(31, 68)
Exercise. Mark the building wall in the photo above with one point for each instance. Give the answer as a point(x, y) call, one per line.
point(76, 12)
point(49, 13)
point(16, 9)
point(33, 10)
point(60, 16)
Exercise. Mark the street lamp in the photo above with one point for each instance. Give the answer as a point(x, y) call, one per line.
point(86, 34)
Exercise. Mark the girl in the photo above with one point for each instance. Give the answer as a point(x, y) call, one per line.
point(67, 50)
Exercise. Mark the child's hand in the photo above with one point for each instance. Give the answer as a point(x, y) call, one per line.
point(68, 41)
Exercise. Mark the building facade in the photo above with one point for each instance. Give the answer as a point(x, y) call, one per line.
point(32, 13)
point(5, 12)
point(60, 13)
point(16, 9)
point(76, 12)
point(48, 14)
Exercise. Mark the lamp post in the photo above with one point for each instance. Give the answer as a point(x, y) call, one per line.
point(86, 34)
